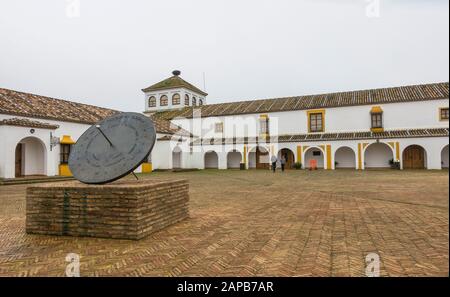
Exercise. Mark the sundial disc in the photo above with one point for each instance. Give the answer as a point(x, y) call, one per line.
point(112, 148)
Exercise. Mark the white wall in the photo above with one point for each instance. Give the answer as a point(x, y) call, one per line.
point(13, 134)
point(345, 157)
point(444, 157)
point(234, 160)
point(252, 160)
point(162, 155)
point(378, 155)
point(177, 157)
point(34, 156)
point(309, 156)
point(169, 93)
point(211, 160)
point(343, 119)
point(10, 136)
point(432, 146)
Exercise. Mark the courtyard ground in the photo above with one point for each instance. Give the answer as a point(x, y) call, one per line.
point(255, 223)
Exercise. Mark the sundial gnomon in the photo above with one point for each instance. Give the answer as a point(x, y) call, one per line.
point(112, 148)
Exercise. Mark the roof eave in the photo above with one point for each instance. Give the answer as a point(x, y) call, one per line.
point(150, 89)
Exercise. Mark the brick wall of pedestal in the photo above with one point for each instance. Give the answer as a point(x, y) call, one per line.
point(122, 210)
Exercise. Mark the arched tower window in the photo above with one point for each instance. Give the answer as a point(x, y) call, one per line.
point(186, 100)
point(163, 101)
point(152, 101)
point(176, 99)
point(194, 101)
point(200, 102)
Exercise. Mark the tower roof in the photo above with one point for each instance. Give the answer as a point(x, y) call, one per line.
point(174, 82)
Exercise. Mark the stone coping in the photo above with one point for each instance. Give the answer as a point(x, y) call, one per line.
point(121, 184)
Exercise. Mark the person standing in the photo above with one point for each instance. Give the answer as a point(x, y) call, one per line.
point(274, 160)
point(283, 162)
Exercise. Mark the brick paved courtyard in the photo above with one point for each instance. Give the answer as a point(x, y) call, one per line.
point(250, 223)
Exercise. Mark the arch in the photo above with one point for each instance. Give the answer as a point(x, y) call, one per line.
point(414, 157)
point(176, 99)
point(152, 101)
point(314, 153)
point(288, 155)
point(234, 159)
point(200, 102)
point(211, 160)
point(163, 100)
point(345, 157)
point(176, 157)
point(258, 158)
point(234, 149)
point(30, 157)
point(444, 157)
point(378, 155)
point(194, 101)
point(187, 101)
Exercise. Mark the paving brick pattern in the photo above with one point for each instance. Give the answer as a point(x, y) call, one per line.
point(255, 223)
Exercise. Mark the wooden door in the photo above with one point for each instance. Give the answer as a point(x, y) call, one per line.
point(289, 156)
point(414, 157)
point(18, 161)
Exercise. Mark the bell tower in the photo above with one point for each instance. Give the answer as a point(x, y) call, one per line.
point(173, 93)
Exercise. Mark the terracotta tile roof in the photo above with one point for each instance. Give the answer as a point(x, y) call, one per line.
point(365, 97)
point(35, 106)
point(41, 107)
point(174, 82)
point(171, 138)
point(28, 123)
point(404, 133)
point(165, 138)
point(166, 127)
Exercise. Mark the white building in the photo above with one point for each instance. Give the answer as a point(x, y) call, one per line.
point(378, 128)
point(36, 133)
point(404, 126)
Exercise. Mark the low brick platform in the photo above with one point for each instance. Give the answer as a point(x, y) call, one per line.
point(122, 210)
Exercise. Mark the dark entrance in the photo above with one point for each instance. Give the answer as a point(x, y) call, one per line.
point(18, 160)
point(260, 154)
point(289, 156)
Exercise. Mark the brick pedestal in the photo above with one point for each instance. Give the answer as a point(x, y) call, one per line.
point(124, 209)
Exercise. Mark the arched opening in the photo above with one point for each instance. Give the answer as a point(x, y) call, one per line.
point(414, 157)
point(258, 158)
point(163, 101)
point(152, 101)
point(314, 153)
point(444, 157)
point(344, 157)
point(176, 99)
point(30, 157)
point(234, 159)
point(211, 160)
point(378, 155)
point(176, 158)
point(288, 156)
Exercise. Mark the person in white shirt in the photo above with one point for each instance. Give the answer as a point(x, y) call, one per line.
point(274, 160)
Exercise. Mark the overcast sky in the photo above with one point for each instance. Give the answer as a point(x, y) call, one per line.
point(248, 49)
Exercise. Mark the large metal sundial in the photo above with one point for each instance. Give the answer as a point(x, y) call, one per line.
point(112, 149)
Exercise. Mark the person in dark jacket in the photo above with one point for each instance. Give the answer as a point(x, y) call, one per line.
point(283, 162)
